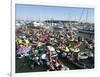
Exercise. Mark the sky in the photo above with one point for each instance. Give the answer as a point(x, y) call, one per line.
point(41, 12)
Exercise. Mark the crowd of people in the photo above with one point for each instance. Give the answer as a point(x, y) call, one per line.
point(44, 47)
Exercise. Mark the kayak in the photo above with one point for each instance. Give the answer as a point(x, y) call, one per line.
point(76, 50)
point(85, 55)
point(66, 49)
point(82, 55)
point(71, 39)
point(18, 41)
point(51, 48)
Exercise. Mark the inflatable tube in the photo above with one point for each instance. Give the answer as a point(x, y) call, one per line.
point(51, 48)
point(71, 39)
point(18, 41)
point(26, 41)
point(66, 49)
point(82, 56)
point(71, 49)
point(77, 50)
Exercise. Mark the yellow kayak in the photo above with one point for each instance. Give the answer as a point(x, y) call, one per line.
point(71, 39)
point(26, 41)
point(77, 50)
point(72, 49)
point(66, 49)
point(18, 41)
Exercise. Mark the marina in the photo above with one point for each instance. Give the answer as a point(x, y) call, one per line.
point(54, 45)
point(71, 64)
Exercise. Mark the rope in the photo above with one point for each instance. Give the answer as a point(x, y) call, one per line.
point(81, 15)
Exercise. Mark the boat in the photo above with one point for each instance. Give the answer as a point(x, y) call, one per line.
point(85, 55)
